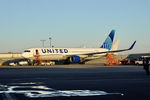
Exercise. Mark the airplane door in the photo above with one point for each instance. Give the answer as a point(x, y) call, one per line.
point(36, 52)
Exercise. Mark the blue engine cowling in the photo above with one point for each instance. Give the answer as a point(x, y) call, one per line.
point(74, 59)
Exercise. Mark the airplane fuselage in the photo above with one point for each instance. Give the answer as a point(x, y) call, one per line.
point(59, 53)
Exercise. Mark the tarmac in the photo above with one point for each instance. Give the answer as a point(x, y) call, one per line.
point(74, 82)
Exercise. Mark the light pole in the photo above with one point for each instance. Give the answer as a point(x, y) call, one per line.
point(50, 40)
point(43, 42)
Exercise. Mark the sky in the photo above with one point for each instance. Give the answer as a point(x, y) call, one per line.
point(73, 23)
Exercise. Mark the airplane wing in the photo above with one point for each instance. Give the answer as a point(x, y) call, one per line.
point(110, 51)
point(113, 51)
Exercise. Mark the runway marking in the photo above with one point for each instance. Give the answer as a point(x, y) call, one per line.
point(43, 91)
point(6, 96)
point(30, 83)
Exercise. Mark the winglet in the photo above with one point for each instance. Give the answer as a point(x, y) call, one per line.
point(132, 45)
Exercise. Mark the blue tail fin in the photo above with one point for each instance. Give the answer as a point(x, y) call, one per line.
point(109, 40)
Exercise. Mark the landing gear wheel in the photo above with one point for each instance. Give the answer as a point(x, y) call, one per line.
point(82, 62)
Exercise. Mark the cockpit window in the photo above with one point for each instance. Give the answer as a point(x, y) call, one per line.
point(27, 51)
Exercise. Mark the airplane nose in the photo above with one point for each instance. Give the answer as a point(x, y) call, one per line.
point(23, 55)
point(26, 55)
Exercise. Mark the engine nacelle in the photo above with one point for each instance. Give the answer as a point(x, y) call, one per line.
point(74, 59)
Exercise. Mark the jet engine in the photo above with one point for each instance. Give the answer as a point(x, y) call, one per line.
point(74, 59)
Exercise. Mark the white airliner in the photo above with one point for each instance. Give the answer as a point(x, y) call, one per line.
point(72, 55)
